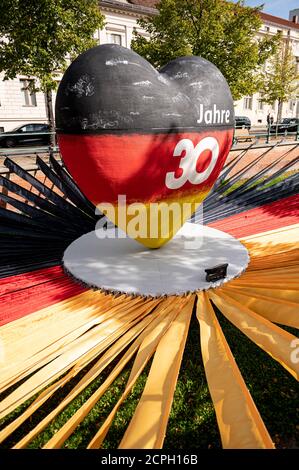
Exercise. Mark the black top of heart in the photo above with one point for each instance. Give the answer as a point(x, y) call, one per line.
point(111, 88)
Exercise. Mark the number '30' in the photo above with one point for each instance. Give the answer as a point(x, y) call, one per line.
point(189, 161)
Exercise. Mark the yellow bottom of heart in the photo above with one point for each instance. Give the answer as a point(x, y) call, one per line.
point(152, 224)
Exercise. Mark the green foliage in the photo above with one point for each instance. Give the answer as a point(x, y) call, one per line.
point(37, 36)
point(280, 78)
point(224, 33)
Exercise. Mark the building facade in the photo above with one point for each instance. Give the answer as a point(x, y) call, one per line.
point(18, 106)
point(253, 106)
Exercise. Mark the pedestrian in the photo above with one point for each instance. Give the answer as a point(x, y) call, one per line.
point(268, 119)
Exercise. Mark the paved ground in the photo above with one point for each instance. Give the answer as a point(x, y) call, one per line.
point(285, 154)
point(24, 159)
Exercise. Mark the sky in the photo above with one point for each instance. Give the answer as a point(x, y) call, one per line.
point(275, 7)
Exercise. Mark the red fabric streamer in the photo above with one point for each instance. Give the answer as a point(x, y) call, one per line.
point(262, 219)
point(31, 292)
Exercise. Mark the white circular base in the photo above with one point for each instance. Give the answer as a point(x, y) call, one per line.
point(124, 265)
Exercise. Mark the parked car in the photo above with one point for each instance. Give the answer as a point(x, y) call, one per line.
point(242, 122)
point(28, 134)
point(286, 125)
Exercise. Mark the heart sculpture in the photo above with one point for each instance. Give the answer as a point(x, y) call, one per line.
point(144, 146)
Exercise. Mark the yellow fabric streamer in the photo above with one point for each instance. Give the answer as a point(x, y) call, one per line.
point(276, 307)
point(148, 426)
point(268, 336)
point(240, 424)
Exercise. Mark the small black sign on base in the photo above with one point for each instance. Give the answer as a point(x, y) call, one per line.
point(216, 273)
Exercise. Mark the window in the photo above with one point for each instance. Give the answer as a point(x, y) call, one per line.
point(260, 104)
point(116, 39)
point(116, 34)
point(27, 128)
point(292, 104)
point(279, 31)
point(40, 127)
point(29, 96)
point(248, 102)
point(267, 29)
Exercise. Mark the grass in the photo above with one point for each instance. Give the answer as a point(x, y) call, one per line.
point(276, 180)
point(192, 423)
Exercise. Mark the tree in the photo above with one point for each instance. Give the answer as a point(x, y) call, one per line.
point(38, 37)
point(223, 32)
point(280, 78)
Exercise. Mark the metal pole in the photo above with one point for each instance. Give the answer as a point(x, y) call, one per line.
point(268, 134)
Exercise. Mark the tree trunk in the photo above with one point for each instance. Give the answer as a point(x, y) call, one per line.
point(50, 114)
point(279, 111)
